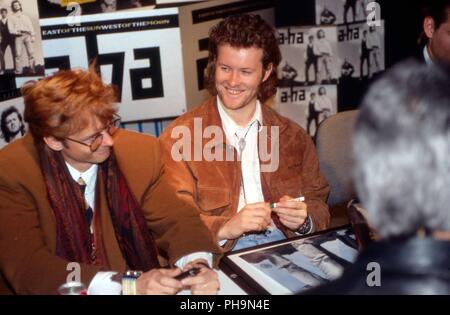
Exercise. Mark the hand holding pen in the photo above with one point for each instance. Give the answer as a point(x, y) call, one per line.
point(200, 278)
point(192, 272)
point(292, 212)
point(252, 217)
point(274, 205)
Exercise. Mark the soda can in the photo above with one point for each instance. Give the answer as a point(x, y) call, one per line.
point(72, 288)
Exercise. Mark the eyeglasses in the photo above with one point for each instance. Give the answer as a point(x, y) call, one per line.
point(97, 139)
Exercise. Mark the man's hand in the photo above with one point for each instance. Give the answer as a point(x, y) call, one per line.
point(292, 214)
point(253, 217)
point(204, 283)
point(159, 281)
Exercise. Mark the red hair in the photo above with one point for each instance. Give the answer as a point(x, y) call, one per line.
point(66, 102)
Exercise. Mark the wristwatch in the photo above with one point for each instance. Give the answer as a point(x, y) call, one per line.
point(306, 227)
point(129, 282)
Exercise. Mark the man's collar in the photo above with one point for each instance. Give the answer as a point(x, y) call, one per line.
point(88, 176)
point(229, 124)
point(426, 56)
point(210, 116)
point(268, 116)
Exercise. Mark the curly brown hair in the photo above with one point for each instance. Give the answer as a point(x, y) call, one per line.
point(245, 31)
point(66, 102)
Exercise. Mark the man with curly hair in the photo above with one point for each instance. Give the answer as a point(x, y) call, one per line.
point(232, 179)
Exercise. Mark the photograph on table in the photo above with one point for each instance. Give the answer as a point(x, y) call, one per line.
point(12, 125)
point(20, 39)
point(307, 105)
point(308, 56)
point(342, 11)
point(360, 50)
point(295, 265)
point(73, 8)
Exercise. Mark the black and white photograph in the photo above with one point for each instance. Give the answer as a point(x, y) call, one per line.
point(61, 8)
point(21, 43)
point(195, 22)
point(300, 264)
point(361, 50)
point(309, 56)
point(341, 11)
point(309, 105)
point(12, 125)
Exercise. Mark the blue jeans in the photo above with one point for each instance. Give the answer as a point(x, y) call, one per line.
point(254, 239)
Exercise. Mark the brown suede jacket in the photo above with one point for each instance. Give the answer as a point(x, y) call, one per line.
point(213, 186)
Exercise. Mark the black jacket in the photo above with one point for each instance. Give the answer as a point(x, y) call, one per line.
point(418, 55)
point(408, 266)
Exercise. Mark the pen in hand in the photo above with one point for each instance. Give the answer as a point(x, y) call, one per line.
point(189, 273)
point(275, 205)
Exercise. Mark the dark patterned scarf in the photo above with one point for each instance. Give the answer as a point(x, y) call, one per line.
point(73, 240)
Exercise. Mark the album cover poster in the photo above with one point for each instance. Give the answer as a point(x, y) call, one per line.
point(74, 8)
point(361, 50)
point(330, 12)
point(307, 105)
point(195, 23)
point(20, 41)
point(309, 56)
point(139, 52)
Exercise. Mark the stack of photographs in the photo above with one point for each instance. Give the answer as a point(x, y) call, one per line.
point(294, 265)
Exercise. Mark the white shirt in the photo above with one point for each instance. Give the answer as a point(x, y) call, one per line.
point(426, 56)
point(323, 47)
point(251, 190)
point(250, 167)
point(324, 103)
point(102, 283)
point(19, 23)
point(373, 40)
point(90, 178)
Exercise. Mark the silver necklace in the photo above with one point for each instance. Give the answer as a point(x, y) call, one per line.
point(241, 145)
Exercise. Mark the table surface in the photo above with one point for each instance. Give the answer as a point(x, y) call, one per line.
point(227, 286)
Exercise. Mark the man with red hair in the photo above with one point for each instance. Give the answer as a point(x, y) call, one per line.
point(78, 189)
